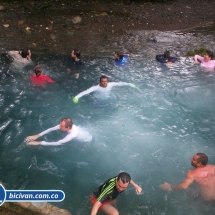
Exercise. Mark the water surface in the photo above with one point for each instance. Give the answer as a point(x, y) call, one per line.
point(150, 131)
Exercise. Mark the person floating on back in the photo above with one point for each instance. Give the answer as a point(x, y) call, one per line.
point(206, 61)
point(165, 58)
point(38, 79)
point(20, 58)
point(121, 58)
point(103, 87)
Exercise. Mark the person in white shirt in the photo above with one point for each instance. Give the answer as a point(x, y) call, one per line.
point(66, 125)
point(20, 58)
point(103, 87)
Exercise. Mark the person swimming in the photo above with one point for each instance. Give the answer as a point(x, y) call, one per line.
point(20, 58)
point(76, 57)
point(206, 61)
point(165, 58)
point(121, 58)
point(103, 88)
point(38, 79)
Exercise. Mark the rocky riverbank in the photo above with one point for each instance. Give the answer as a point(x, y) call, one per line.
point(61, 25)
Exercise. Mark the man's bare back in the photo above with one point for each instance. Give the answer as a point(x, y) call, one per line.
point(203, 175)
point(205, 179)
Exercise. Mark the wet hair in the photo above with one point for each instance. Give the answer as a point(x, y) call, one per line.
point(166, 54)
point(24, 53)
point(125, 177)
point(38, 70)
point(77, 53)
point(68, 122)
point(119, 55)
point(210, 54)
point(203, 158)
point(103, 76)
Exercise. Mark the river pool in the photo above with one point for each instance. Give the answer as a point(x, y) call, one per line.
point(151, 131)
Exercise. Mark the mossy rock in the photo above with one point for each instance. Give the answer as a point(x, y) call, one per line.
point(200, 52)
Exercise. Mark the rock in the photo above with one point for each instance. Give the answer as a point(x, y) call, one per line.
point(76, 19)
point(53, 36)
point(70, 32)
point(39, 205)
point(103, 14)
point(77, 27)
point(6, 25)
point(1, 8)
point(21, 22)
point(27, 30)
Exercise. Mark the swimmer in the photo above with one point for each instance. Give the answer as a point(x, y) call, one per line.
point(165, 58)
point(203, 175)
point(76, 56)
point(66, 125)
point(121, 58)
point(38, 79)
point(103, 87)
point(103, 197)
point(20, 58)
point(206, 61)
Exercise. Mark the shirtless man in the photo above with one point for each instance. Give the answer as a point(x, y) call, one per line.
point(203, 175)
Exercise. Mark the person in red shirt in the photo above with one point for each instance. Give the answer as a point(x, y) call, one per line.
point(38, 79)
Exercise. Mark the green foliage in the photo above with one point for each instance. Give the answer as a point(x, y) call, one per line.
point(45, 5)
point(200, 52)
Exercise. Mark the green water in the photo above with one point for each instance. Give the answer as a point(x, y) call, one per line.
point(151, 131)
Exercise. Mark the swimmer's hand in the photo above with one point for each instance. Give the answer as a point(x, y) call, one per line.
point(34, 143)
point(32, 138)
point(138, 189)
point(75, 100)
point(132, 85)
point(166, 186)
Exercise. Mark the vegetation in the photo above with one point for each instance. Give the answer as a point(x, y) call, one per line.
point(200, 52)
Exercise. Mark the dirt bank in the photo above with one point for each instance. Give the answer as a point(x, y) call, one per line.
point(45, 27)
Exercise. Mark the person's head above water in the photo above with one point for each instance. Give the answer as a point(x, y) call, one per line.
point(122, 181)
point(38, 70)
point(76, 54)
point(66, 124)
point(166, 55)
point(208, 56)
point(25, 53)
point(103, 81)
point(118, 55)
point(199, 160)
